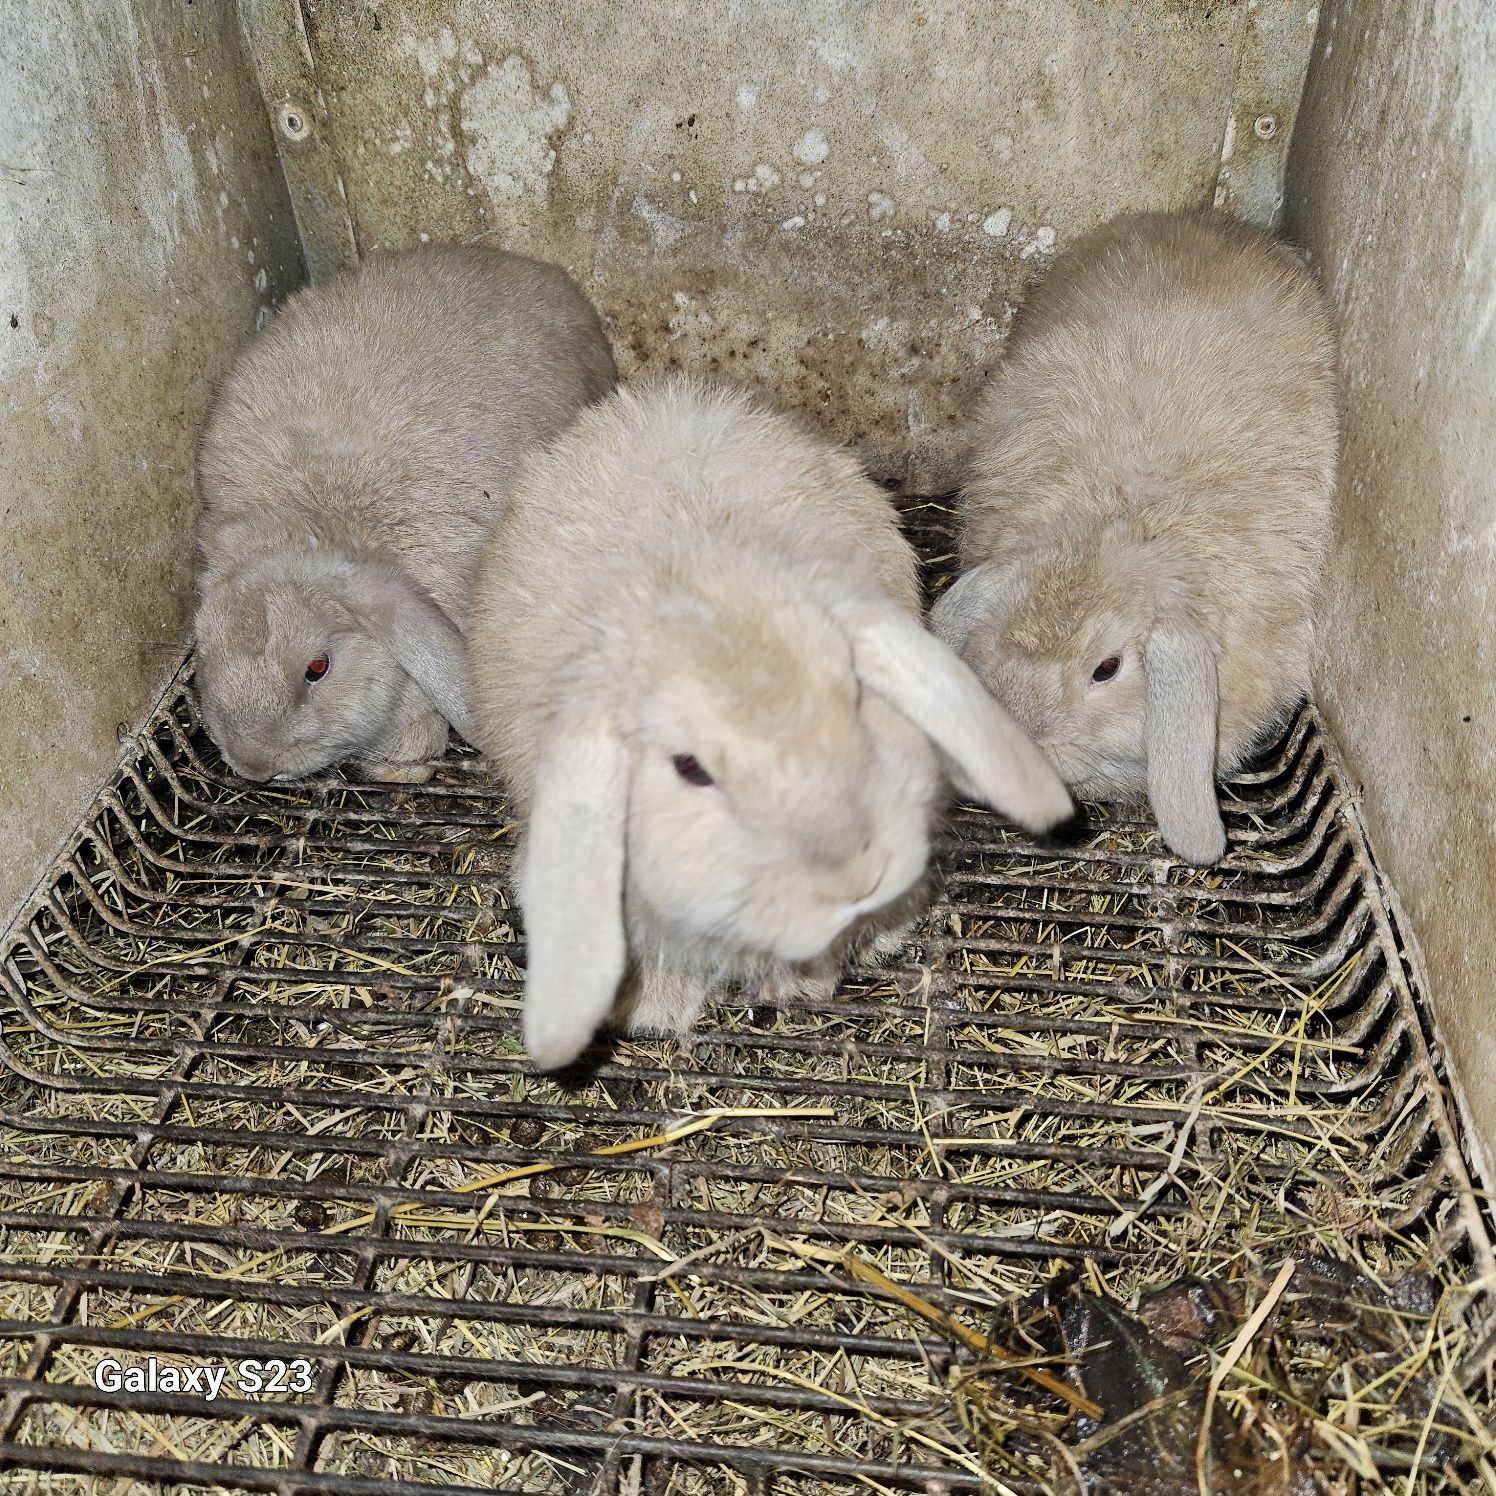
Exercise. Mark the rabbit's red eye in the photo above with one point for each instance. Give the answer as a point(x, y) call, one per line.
point(317, 668)
point(1107, 668)
point(691, 771)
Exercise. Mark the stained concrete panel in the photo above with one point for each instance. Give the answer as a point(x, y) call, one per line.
point(1390, 186)
point(144, 226)
point(839, 202)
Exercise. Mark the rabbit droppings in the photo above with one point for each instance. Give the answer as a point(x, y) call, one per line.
point(351, 468)
point(698, 661)
point(1147, 509)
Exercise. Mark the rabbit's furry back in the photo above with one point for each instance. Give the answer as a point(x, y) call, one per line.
point(677, 484)
point(383, 414)
point(1179, 369)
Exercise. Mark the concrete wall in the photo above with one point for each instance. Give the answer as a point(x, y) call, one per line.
point(143, 225)
point(836, 199)
point(1390, 187)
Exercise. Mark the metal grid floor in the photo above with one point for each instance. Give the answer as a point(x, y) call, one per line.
point(263, 1097)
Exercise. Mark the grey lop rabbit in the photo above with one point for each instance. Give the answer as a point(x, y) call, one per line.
point(699, 663)
point(1145, 518)
point(351, 469)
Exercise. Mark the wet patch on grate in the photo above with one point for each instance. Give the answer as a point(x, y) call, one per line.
point(264, 1098)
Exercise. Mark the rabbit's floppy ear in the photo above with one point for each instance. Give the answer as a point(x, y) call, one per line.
point(968, 600)
point(571, 888)
point(1182, 702)
point(992, 755)
point(424, 642)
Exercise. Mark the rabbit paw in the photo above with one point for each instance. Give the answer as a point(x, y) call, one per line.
point(814, 983)
point(663, 1001)
point(382, 771)
point(407, 754)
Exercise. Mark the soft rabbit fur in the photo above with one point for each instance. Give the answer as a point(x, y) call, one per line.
point(1151, 482)
point(355, 460)
point(686, 573)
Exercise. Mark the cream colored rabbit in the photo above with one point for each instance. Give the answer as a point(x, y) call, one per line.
point(1145, 519)
point(698, 660)
point(350, 470)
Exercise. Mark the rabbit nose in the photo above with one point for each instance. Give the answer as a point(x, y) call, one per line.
point(256, 770)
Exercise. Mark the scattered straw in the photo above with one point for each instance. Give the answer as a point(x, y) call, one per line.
point(1234, 1354)
point(865, 1273)
point(275, 1030)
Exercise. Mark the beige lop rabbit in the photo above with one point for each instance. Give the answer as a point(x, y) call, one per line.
point(698, 660)
point(1146, 514)
point(351, 468)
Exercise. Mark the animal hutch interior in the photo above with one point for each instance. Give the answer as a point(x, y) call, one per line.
point(1126, 1176)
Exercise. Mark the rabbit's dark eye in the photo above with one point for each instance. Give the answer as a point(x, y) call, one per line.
point(691, 771)
point(317, 668)
point(1107, 668)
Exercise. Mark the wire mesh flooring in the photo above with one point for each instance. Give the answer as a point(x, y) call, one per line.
point(263, 1100)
